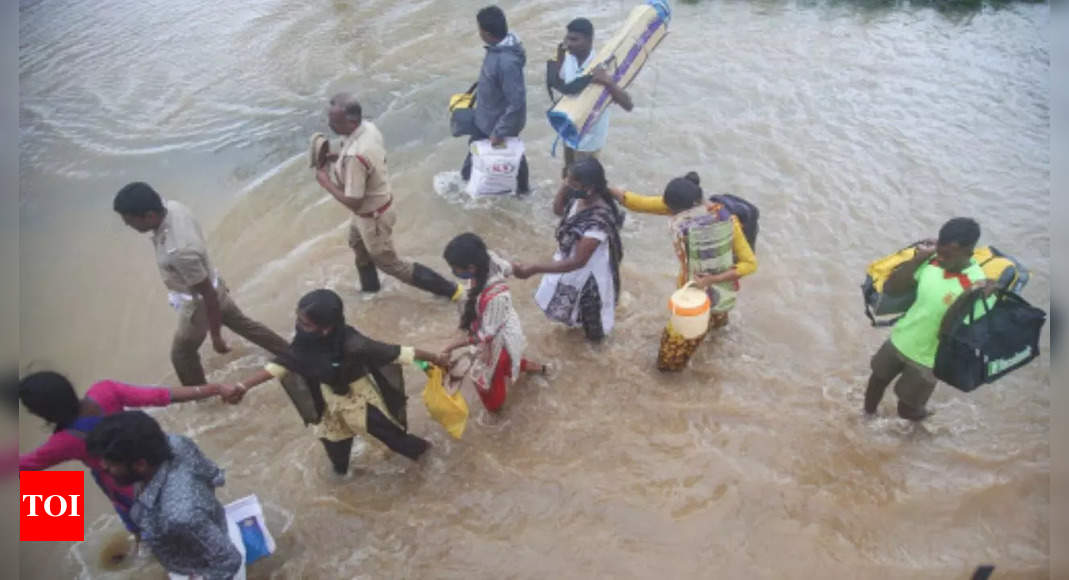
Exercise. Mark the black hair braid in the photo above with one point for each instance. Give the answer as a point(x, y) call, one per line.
point(482, 273)
point(464, 251)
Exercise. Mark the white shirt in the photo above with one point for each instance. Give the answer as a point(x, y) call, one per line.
point(570, 70)
point(599, 266)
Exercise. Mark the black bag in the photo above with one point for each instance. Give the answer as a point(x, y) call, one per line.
point(745, 211)
point(973, 351)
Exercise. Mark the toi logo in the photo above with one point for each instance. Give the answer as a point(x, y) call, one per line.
point(52, 506)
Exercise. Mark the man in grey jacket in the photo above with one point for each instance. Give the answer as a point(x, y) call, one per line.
point(501, 96)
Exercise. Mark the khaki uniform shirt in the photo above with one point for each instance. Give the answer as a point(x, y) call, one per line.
point(361, 168)
point(181, 253)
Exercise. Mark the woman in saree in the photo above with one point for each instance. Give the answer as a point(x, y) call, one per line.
point(581, 285)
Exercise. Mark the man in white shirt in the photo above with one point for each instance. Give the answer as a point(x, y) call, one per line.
point(575, 59)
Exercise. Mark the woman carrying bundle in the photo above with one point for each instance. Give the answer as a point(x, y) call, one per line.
point(712, 250)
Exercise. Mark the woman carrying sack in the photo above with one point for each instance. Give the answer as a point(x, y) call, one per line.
point(490, 324)
point(365, 388)
point(713, 254)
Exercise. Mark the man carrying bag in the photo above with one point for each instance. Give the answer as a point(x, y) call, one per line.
point(939, 273)
point(980, 342)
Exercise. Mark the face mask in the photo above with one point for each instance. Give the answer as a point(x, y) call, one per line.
point(305, 337)
point(578, 193)
point(464, 275)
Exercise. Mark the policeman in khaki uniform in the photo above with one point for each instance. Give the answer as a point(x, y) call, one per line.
point(194, 288)
point(357, 178)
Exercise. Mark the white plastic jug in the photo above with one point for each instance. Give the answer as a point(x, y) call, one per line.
point(690, 311)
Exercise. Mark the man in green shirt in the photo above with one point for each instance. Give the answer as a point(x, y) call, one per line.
point(939, 282)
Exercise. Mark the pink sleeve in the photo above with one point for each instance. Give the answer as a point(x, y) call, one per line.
point(113, 396)
point(60, 447)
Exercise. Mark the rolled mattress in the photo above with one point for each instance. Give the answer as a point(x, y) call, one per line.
point(573, 115)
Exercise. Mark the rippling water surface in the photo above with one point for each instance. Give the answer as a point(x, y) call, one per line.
point(855, 128)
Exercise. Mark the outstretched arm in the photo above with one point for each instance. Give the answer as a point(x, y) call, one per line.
point(641, 203)
point(198, 392)
point(273, 370)
point(583, 251)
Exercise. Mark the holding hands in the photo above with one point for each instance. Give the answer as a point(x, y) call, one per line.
point(440, 360)
point(231, 393)
point(522, 271)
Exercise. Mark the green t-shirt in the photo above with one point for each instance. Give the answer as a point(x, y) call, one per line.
point(916, 335)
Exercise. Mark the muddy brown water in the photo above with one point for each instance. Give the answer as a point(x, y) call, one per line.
point(856, 129)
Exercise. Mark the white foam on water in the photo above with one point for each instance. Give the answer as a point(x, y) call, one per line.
point(449, 186)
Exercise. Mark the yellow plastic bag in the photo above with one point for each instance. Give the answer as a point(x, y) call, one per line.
point(449, 410)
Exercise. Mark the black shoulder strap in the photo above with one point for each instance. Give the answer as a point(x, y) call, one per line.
point(472, 92)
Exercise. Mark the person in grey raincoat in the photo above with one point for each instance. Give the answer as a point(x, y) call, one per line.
point(501, 94)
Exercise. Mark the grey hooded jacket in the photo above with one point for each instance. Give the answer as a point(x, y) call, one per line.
point(501, 97)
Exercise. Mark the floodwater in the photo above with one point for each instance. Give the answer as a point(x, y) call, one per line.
point(856, 128)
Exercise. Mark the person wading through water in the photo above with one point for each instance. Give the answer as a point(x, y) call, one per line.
point(713, 255)
point(488, 321)
point(358, 180)
point(50, 396)
point(195, 289)
point(343, 382)
point(574, 61)
point(942, 272)
point(581, 286)
point(501, 93)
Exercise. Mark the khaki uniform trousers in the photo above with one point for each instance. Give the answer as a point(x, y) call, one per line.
point(372, 241)
point(193, 329)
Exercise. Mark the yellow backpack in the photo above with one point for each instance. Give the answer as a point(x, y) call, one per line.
point(885, 309)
